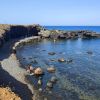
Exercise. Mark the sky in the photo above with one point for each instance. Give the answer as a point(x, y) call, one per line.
point(50, 12)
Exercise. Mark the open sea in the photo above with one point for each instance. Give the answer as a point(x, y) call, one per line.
point(78, 79)
point(90, 28)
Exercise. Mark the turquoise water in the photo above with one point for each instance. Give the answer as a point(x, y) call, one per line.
point(90, 28)
point(78, 80)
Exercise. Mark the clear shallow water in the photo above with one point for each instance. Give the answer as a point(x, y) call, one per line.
point(79, 80)
point(90, 28)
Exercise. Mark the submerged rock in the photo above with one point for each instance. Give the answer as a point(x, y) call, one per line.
point(49, 84)
point(34, 61)
point(51, 53)
point(53, 79)
point(89, 52)
point(30, 57)
point(40, 89)
point(39, 82)
point(61, 60)
point(53, 60)
point(69, 60)
point(51, 69)
point(43, 50)
point(24, 58)
point(38, 71)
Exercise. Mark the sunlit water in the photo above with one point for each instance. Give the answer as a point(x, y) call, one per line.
point(78, 80)
point(74, 28)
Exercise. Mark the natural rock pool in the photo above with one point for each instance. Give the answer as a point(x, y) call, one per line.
point(78, 77)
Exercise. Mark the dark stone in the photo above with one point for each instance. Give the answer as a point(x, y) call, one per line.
point(49, 85)
point(61, 60)
point(89, 52)
point(53, 79)
point(69, 60)
point(51, 53)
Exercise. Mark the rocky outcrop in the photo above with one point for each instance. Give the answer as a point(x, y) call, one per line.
point(55, 34)
point(58, 34)
point(8, 32)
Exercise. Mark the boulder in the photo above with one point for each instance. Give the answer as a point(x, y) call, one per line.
point(38, 71)
point(53, 79)
point(49, 84)
point(53, 60)
point(61, 60)
point(51, 69)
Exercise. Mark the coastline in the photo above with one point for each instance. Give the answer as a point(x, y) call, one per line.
point(11, 68)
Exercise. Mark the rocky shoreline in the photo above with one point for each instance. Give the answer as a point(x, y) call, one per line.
point(59, 34)
point(32, 33)
point(8, 32)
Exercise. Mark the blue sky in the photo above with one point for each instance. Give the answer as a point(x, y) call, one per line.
point(50, 12)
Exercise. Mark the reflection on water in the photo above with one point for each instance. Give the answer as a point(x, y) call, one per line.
point(78, 80)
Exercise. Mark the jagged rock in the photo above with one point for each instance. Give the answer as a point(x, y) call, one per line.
point(44, 33)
